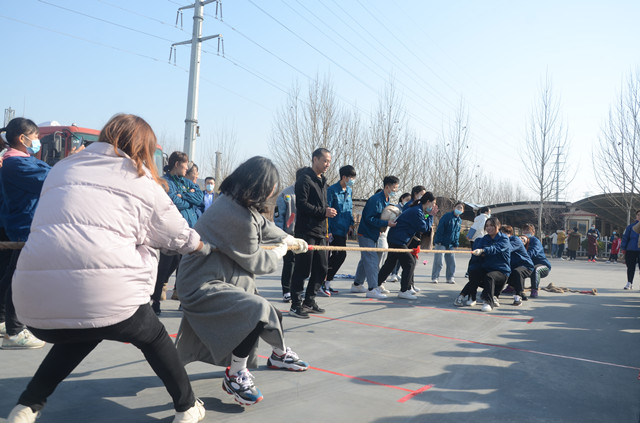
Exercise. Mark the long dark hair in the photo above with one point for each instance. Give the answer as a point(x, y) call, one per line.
point(16, 127)
point(252, 183)
point(428, 196)
point(175, 157)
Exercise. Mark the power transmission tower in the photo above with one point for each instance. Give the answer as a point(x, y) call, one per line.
point(8, 115)
point(191, 129)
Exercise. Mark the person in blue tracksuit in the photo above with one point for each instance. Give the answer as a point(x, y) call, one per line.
point(21, 180)
point(341, 226)
point(521, 266)
point(447, 238)
point(495, 250)
point(631, 250)
point(368, 233)
point(541, 265)
point(410, 222)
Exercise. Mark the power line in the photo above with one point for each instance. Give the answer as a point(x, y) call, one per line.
point(141, 15)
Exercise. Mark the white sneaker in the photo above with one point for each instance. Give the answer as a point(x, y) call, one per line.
point(471, 302)
point(415, 288)
point(451, 280)
point(486, 307)
point(459, 302)
point(383, 289)
point(406, 295)
point(358, 288)
point(375, 293)
point(192, 415)
point(628, 286)
point(22, 414)
point(496, 302)
point(22, 341)
point(413, 291)
point(392, 278)
point(3, 328)
point(435, 280)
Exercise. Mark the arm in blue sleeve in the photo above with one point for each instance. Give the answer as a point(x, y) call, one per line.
point(196, 197)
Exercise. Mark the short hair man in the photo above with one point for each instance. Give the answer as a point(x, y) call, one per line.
point(209, 192)
point(311, 225)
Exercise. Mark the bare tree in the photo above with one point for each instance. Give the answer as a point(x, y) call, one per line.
point(223, 142)
point(456, 153)
point(617, 160)
point(546, 136)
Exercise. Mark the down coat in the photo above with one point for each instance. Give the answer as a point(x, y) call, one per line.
point(91, 259)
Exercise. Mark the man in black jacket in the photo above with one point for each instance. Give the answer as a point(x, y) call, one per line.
point(312, 226)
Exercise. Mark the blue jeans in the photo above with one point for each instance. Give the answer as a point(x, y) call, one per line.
point(368, 264)
point(554, 250)
point(449, 259)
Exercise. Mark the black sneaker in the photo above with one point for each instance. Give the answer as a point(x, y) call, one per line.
point(299, 312)
point(312, 308)
point(156, 307)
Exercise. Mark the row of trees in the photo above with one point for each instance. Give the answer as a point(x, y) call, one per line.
point(381, 144)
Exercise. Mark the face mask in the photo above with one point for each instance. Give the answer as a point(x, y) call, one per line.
point(393, 194)
point(489, 215)
point(210, 187)
point(528, 235)
point(457, 212)
point(428, 210)
point(350, 182)
point(35, 146)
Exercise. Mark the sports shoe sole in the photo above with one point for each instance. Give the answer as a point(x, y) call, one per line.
point(286, 366)
point(299, 316)
point(238, 398)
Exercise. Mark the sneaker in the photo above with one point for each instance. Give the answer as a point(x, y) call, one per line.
point(312, 307)
point(413, 291)
point(517, 301)
point(459, 302)
point(288, 361)
point(333, 291)
point(496, 302)
point(392, 278)
point(508, 290)
point(471, 302)
point(415, 288)
point(534, 293)
point(22, 414)
point(451, 281)
point(241, 386)
point(286, 298)
point(628, 286)
point(383, 289)
point(298, 311)
point(406, 295)
point(435, 280)
point(192, 415)
point(3, 328)
point(22, 341)
point(358, 288)
point(323, 292)
point(375, 293)
point(486, 307)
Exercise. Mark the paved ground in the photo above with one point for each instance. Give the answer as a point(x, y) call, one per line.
point(559, 358)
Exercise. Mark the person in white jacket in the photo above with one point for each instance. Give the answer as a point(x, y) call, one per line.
point(103, 215)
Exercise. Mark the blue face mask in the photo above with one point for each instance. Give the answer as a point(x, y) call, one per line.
point(350, 182)
point(35, 146)
point(528, 235)
point(393, 194)
point(210, 187)
point(457, 212)
point(429, 209)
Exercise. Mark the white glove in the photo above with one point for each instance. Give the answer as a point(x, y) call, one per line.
point(205, 250)
point(477, 252)
point(280, 250)
point(300, 245)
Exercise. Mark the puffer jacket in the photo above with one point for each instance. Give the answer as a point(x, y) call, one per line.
point(91, 259)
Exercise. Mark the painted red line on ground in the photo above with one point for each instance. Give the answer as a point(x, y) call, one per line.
point(414, 393)
point(481, 343)
point(453, 310)
point(530, 320)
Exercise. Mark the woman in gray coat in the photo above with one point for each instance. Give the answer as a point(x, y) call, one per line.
point(223, 314)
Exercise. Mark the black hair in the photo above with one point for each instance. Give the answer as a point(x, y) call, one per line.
point(299, 172)
point(493, 220)
point(390, 180)
point(319, 152)
point(347, 171)
point(18, 126)
point(378, 190)
point(484, 209)
point(428, 196)
point(252, 183)
point(192, 166)
point(457, 203)
point(210, 178)
point(175, 157)
point(406, 194)
point(415, 190)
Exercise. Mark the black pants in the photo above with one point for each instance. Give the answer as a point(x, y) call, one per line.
point(5, 260)
point(9, 316)
point(560, 250)
point(166, 266)
point(613, 257)
point(312, 265)
point(631, 259)
point(571, 254)
point(247, 343)
point(492, 282)
point(407, 262)
point(517, 277)
point(336, 258)
point(71, 346)
point(288, 262)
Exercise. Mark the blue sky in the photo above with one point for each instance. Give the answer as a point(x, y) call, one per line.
point(82, 61)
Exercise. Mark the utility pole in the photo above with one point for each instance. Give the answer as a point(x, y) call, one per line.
point(191, 129)
point(558, 174)
point(218, 171)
